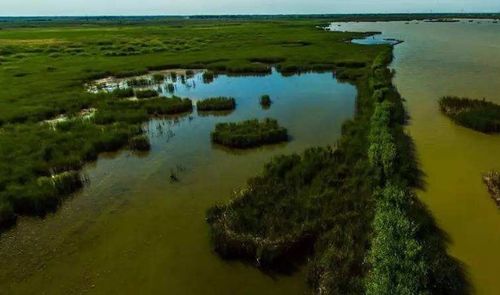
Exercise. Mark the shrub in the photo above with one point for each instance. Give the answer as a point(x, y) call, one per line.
point(216, 104)
point(140, 143)
point(249, 133)
point(148, 93)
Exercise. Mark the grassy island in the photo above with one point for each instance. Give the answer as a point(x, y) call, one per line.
point(480, 115)
point(216, 104)
point(250, 133)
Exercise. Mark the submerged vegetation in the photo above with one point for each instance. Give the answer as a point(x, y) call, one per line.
point(216, 104)
point(250, 133)
point(480, 115)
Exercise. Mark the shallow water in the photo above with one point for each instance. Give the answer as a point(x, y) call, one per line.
point(132, 231)
point(374, 40)
point(462, 59)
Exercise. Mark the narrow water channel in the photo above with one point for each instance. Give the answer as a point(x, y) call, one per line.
point(132, 231)
point(461, 59)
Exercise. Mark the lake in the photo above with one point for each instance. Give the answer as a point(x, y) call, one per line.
point(134, 231)
point(462, 59)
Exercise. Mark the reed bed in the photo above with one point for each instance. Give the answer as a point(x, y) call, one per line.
point(216, 104)
point(480, 115)
point(250, 133)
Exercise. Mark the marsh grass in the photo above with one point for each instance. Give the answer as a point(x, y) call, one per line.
point(250, 133)
point(265, 101)
point(480, 115)
point(216, 104)
point(123, 92)
point(140, 143)
point(147, 93)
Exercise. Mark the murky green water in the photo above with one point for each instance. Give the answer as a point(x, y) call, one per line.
point(460, 59)
point(132, 231)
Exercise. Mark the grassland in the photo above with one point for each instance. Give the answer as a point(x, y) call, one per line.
point(333, 206)
point(480, 115)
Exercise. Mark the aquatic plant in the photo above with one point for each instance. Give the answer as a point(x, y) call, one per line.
point(167, 106)
point(138, 82)
point(170, 88)
point(492, 181)
point(265, 101)
point(250, 133)
point(147, 93)
point(216, 104)
point(480, 115)
point(140, 143)
point(208, 76)
point(158, 78)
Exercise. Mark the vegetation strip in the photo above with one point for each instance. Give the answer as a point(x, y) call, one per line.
point(329, 203)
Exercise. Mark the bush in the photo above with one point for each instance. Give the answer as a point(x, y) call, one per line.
point(148, 93)
point(216, 104)
point(249, 133)
point(140, 143)
point(480, 115)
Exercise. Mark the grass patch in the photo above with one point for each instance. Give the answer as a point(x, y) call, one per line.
point(216, 104)
point(480, 115)
point(248, 134)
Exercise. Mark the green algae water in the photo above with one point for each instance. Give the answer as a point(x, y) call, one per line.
point(133, 231)
point(461, 59)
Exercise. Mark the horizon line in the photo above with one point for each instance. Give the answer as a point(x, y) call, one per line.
point(252, 14)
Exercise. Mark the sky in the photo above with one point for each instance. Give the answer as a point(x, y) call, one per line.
point(192, 7)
